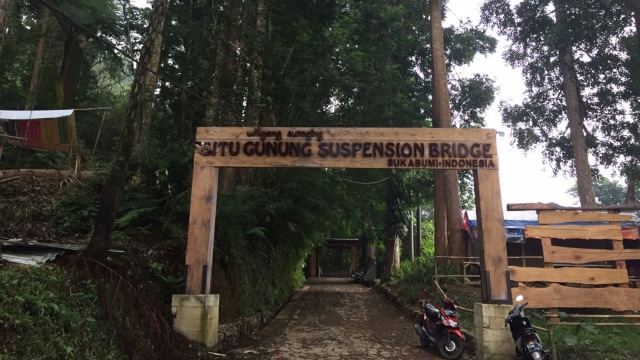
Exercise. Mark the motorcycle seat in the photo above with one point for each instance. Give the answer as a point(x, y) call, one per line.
point(432, 311)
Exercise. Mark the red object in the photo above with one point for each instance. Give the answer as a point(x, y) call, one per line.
point(30, 130)
point(440, 327)
point(466, 225)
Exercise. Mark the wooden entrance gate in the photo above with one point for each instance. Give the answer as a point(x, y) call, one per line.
point(379, 148)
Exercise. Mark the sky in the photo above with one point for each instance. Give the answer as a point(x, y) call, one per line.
point(524, 178)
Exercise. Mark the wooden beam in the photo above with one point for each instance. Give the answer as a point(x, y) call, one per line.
point(554, 217)
point(554, 206)
point(610, 297)
point(584, 232)
point(570, 275)
point(493, 243)
point(201, 226)
point(567, 255)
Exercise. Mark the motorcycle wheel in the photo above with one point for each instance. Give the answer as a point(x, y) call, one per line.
point(450, 346)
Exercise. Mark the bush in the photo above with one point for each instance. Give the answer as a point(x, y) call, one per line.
point(412, 277)
point(46, 314)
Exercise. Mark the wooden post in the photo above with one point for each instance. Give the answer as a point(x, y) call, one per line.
point(202, 214)
point(553, 320)
point(493, 243)
point(353, 258)
point(77, 168)
point(313, 263)
point(412, 241)
point(419, 233)
point(95, 144)
point(620, 264)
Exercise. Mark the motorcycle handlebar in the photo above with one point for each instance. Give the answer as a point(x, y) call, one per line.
point(514, 312)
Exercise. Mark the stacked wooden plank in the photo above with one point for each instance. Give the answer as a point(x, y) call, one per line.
point(576, 274)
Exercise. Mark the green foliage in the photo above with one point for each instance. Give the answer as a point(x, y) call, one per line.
point(413, 277)
point(268, 233)
point(588, 341)
point(598, 34)
point(608, 192)
point(47, 314)
point(77, 208)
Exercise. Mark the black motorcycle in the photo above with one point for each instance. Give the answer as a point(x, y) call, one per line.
point(358, 276)
point(528, 344)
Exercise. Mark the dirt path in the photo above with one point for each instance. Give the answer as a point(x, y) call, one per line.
point(334, 319)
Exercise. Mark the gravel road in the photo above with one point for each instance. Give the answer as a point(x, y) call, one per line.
point(331, 318)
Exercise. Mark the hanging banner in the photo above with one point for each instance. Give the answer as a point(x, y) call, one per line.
point(40, 129)
point(379, 148)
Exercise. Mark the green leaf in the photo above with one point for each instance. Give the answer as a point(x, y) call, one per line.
point(570, 340)
point(589, 327)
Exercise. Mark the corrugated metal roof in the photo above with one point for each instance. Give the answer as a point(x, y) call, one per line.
point(33, 253)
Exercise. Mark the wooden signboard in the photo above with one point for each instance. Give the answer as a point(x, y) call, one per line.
point(375, 148)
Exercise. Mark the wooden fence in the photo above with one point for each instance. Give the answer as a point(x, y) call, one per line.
point(584, 259)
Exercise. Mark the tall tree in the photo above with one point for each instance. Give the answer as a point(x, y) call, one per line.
point(113, 188)
point(5, 11)
point(447, 183)
point(37, 63)
point(631, 169)
point(150, 85)
point(225, 94)
point(570, 54)
point(574, 106)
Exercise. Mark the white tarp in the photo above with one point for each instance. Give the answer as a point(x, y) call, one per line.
point(33, 114)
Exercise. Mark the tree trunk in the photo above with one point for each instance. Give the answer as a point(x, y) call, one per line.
point(440, 239)
point(5, 11)
point(113, 188)
point(254, 97)
point(391, 240)
point(71, 70)
point(630, 198)
point(35, 75)
point(575, 111)
point(223, 95)
point(391, 255)
point(150, 83)
point(253, 48)
point(442, 115)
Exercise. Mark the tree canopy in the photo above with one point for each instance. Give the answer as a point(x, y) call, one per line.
point(327, 63)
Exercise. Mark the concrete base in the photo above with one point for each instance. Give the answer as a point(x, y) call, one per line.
point(493, 341)
point(196, 317)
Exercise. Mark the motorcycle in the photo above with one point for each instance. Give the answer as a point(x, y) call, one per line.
point(528, 343)
point(441, 328)
point(358, 275)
